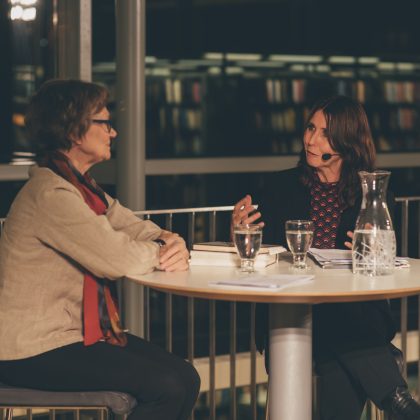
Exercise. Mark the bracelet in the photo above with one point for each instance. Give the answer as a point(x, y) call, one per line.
point(160, 242)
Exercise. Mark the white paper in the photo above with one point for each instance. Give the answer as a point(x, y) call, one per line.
point(271, 282)
point(342, 257)
point(331, 254)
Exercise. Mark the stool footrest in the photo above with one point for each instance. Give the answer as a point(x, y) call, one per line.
point(118, 402)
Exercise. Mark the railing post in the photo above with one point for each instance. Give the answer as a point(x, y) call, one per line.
point(253, 351)
point(232, 360)
point(169, 221)
point(404, 321)
point(418, 231)
point(404, 229)
point(418, 347)
point(212, 359)
point(191, 229)
point(168, 326)
point(190, 335)
point(146, 296)
point(212, 226)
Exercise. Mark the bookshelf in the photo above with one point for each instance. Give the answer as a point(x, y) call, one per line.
point(232, 105)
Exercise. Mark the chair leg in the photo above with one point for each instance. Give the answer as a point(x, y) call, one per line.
point(267, 414)
point(376, 413)
point(386, 416)
point(371, 409)
point(9, 414)
point(107, 414)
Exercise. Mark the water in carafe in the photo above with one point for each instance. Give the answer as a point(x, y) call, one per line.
point(374, 245)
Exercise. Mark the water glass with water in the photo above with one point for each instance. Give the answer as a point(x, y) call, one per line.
point(247, 239)
point(299, 235)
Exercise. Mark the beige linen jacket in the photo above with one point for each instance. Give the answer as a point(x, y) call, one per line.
point(50, 233)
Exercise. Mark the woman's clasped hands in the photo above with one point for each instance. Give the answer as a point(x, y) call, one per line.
point(174, 254)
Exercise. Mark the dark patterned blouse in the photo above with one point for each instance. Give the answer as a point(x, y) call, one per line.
point(325, 213)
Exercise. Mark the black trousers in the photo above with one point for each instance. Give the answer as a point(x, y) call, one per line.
point(345, 383)
point(165, 386)
point(352, 355)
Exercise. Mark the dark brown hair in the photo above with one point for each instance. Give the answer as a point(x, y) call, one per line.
point(61, 111)
point(349, 135)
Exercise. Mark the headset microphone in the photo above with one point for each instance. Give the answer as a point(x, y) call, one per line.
point(328, 156)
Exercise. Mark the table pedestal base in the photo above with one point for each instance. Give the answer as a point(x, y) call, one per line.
point(290, 379)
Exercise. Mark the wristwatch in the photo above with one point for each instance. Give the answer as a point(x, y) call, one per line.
point(160, 242)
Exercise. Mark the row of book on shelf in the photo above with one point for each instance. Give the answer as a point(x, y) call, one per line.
point(280, 90)
point(287, 120)
point(182, 144)
point(298, 90)
point(174, 90)
point(184, 118)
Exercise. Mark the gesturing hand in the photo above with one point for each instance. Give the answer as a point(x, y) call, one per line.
point(174, 254)
point(244, 212)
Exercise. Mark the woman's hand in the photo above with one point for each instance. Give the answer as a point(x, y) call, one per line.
point(349, 244)
point(244, 212)
point(174, 254)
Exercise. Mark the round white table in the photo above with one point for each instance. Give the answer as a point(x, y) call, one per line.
point(290, 316)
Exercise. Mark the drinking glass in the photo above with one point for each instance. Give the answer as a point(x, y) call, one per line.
point(247, 239)
point(299, 235)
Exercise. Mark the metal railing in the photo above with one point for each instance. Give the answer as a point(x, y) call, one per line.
point(410, 217)
point(406, 204)
point(210, 385)
point(246, 367)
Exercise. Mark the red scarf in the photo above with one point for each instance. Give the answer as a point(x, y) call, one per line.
point(101, 320)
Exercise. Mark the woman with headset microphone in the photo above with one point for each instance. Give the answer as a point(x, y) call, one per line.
point(352, 346)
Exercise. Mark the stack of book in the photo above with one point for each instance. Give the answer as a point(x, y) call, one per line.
point(224, 254)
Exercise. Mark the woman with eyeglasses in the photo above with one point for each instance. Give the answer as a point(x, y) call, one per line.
point(64, 244)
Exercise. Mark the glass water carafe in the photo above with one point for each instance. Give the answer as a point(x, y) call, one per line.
point(374, 245)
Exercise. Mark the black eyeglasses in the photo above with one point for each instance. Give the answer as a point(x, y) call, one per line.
point(106, 123)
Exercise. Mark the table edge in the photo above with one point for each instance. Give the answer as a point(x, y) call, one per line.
point(283, 297)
